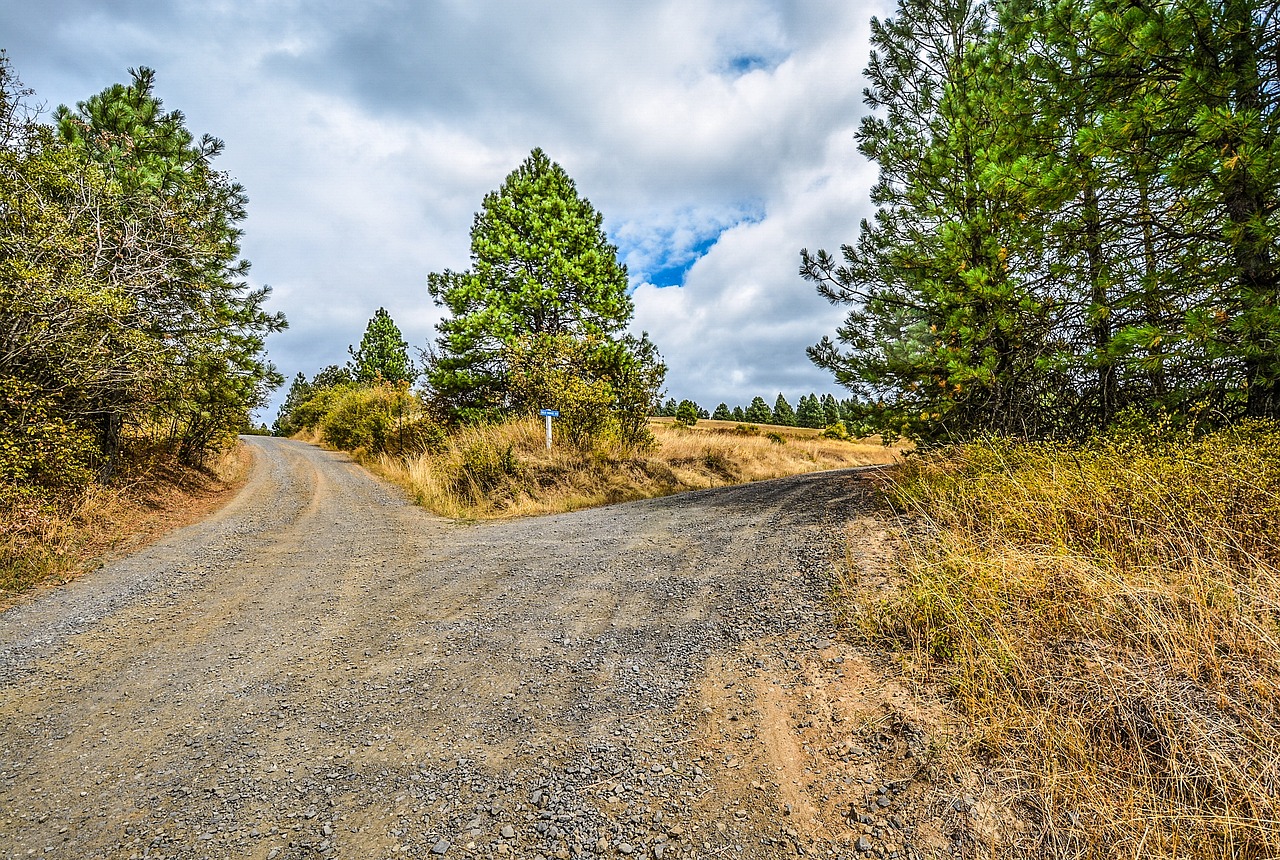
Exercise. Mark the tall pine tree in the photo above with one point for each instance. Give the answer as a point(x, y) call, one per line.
point(540, 265)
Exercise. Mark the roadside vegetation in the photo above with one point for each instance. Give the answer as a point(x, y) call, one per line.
point(505, 470)
point(537, 323)
point(1068, 298)
point(1105, 619)
point(492, 469)
point(52, 541)
point(131, 348)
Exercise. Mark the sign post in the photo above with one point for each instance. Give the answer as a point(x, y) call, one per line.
point(549, 414)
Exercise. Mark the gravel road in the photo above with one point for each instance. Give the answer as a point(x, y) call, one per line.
point(324, 670)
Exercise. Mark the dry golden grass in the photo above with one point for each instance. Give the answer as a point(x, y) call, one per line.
point(710, 425)
point(57, 539)
point(505, 470)
point(1107, 619)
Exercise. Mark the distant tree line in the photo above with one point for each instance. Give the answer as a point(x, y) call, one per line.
point(810, 411)
point(125, 319)
point(1078, 216)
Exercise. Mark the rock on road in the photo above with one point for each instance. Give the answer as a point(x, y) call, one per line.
point(323, 670)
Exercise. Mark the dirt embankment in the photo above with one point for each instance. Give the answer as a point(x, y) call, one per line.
point(322, 670)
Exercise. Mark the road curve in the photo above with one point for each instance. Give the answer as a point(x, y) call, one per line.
point(324, 670)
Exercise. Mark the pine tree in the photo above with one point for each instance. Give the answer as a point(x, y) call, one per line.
point(830, 409)
point(738, 414)
point(540, 265)
point(810, 413)
point(1195, 90)
point(383, 353)
point(687, 413)
point(783, 413)
point(166, 249)
point(758, 412)
point(299, 392)
point(722, 413)
point(939, 318)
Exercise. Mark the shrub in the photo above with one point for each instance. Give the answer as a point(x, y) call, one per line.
point(601, 388)
point(308, 414)
point(775, 438)
point(38, 449)
point(483, 468)
point(836, 430)
point(381, 419)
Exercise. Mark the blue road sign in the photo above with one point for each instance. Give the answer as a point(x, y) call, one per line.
point(549, 413)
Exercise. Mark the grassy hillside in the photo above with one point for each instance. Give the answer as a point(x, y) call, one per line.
point(1106, 619)
point(505, 470)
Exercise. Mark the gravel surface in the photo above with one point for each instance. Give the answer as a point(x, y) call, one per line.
point(324, 670)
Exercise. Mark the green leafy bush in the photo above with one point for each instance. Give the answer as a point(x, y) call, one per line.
point(837, 431)
point(601, 387)
point(379, 419)
point(38, 448)
point(483, 468)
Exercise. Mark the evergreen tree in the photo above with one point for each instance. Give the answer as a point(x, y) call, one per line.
point(383, 353)
point(722, 413)
point(830, 409)
point(783, 413)
point(687, 413)
point(540, 265)
point(331, 377)
point(182, 341)
point(668, 408)
point(758, 412)
point(811, 414)
point(300, 391)
point(1077, 215)
point(1194, 90)
point(738, 414)
point(939, 318)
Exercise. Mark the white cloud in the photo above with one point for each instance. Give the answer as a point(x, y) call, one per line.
point(712, 135)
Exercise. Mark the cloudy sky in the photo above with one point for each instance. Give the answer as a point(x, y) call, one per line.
point(715, 136)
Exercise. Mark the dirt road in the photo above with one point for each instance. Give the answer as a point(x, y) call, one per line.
point(323, 670)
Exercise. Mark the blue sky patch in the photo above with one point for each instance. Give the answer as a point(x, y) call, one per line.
point(663, 249)
point(741, 64)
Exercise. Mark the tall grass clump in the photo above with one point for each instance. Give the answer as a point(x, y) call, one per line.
point(1107, 619)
